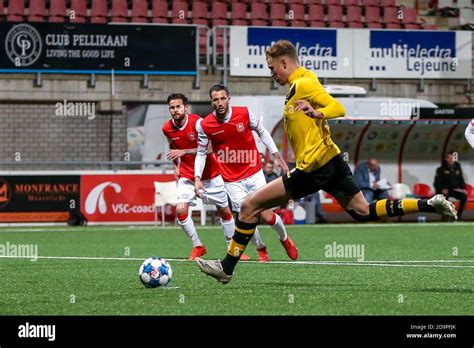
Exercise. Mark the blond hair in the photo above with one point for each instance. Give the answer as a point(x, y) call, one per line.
point(282, 48)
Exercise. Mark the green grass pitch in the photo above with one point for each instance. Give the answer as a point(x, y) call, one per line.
point(408, 269)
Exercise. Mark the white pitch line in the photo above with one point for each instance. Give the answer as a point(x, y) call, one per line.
point(322, 263)
point(314, 226)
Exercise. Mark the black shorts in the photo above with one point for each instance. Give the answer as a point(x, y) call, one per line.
point(335, 177)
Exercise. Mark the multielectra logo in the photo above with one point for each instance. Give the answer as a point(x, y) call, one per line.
point(420, 52)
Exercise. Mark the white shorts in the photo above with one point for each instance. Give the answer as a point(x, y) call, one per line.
point(215, 192)
point(238, 190)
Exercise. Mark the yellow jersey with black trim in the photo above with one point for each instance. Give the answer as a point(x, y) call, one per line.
point(310, 138)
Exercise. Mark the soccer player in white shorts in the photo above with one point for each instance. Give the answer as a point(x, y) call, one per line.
point(180, 131)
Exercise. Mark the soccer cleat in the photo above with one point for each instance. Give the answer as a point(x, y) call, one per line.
point(197, 251)
point(443, 206)
point(214, 269)
point(290, 247)
point(244, 257)
point(263, 255)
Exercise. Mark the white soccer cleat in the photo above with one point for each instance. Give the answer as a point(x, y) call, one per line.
point(443, 206)
point(214, 269)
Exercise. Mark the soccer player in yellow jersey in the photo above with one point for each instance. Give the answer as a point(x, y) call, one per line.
point(319, 165)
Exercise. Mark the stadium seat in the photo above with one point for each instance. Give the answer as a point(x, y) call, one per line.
point(119, 11)
point(258, 11)
point(99, 11)
point(273, 2)
point(317, 24)
point(314, 2)
point(139, 11)
point(295, 13)
point(333, 2)
point(258, 22)
point(239, 22)
point(278, 23)
point(409, 15)
point(16, 11)
point(356, 25)
point(296, 23)
point(218, 22)
point(202, 209)
point(354, 16)
point(78, 11)
point(315, 14)
point(470, 193)
point(372, 15)
point(348, 3)
point(374, 25)
point(370, 3)
point(277, 14)
point(388, 3)
point(393, 26)
point(422, 191)
point(390, 16)
point(199, 10)
point(165, 194)
point(1, 9)
point(335, 18)
point(179, 12)
point(57, 11)
point(219, 10)
point(159, 11)
point(36, 11)
point(238, 11)
point(412, 26)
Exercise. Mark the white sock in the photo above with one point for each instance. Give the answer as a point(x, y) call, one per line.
point(279, 227)
point(229, 228)
point(188, 227)
point(257, 239)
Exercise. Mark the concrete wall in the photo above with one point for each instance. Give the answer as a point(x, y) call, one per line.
point(129, 88)
point(33, 132)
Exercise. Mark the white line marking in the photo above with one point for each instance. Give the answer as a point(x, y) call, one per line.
point(316, 226)
point(388, 263)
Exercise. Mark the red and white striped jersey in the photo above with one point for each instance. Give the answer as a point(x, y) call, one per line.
point(186, 138)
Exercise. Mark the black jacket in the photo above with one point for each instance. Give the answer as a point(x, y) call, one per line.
point(449, 177)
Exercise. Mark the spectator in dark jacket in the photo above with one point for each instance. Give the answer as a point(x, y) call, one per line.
point(449, 181)
point(268, 171)
point(367, 176)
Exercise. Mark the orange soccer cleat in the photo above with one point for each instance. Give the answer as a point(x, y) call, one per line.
point(290, 247)
point(197, 251)
point(244, 257)
point(263, 255)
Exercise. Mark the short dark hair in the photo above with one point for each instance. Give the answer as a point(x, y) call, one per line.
point(217, 88)
point(270, 162)
point(181, 96)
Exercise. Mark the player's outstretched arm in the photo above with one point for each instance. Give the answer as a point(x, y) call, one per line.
point(470, 133)
point(323, 104)
point(200, 161)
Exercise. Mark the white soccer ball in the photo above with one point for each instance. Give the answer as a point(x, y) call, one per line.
point(155, 272)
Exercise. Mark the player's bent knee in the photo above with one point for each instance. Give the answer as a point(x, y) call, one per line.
point(247, 209)
point(225, 214)
point(370, 214)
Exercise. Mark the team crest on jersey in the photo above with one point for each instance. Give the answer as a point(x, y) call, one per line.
point(192, 136)
point(240, 127)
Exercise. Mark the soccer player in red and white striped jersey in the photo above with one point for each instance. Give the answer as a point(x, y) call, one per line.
point(229, 130)
point(181, 133)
